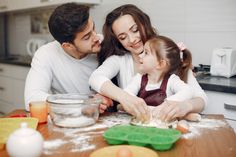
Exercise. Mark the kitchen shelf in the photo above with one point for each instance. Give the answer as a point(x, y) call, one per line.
point(16, 5)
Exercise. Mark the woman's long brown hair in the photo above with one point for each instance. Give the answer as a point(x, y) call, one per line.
point(111, 45)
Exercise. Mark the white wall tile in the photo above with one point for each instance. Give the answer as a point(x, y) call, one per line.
point(202, 44)
point(211, 15)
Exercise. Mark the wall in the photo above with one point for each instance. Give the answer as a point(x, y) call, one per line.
point(19, 30)
point(201, 24)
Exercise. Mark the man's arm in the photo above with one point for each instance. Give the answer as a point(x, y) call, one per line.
point(38, 81)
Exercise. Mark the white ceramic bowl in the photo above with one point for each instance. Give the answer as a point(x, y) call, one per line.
point(73, 110)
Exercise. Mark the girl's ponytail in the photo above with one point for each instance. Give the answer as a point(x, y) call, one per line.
point(186, 64)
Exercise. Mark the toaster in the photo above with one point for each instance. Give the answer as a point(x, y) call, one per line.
point(223, 62)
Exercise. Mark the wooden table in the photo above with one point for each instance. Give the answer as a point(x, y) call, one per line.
point(220, 142)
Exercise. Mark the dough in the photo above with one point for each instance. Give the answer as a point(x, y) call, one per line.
point(153, 123)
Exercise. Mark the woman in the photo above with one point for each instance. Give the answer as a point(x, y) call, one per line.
point(126, 29)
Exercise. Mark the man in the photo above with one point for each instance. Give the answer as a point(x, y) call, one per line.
point(64, 65)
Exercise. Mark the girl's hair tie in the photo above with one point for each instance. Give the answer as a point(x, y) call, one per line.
point(182, 47)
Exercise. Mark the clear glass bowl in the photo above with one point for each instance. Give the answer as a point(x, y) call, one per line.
point(73, 110)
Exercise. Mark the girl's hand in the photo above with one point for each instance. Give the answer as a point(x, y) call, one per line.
point(135, 106)
point(170, 110)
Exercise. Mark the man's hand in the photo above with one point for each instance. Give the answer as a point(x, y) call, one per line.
point(102, 108)
point(106, 102)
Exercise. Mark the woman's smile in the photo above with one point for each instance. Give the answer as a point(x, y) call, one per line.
point(137, 45)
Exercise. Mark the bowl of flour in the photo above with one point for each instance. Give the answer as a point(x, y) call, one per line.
point(73, 110)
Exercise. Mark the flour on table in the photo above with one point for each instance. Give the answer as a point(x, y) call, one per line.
point(84, 148)
point(52, 145)
point(80, 142)
point(196, 127)
point(81, 138)
point(208, 123)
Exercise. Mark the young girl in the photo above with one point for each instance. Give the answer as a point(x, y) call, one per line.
point(164, 65)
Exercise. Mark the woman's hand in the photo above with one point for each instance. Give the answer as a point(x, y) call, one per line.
point(169, 110)
point(106, 102)
point(135, 106)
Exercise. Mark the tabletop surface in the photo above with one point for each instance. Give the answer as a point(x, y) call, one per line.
point(211, 137)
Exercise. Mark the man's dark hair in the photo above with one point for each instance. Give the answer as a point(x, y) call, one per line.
point(67, 20)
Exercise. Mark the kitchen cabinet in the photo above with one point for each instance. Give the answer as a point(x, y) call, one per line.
point(22, 4)
point(12, 84)
point(14, 5)
point(222, 103)
point(3, 5)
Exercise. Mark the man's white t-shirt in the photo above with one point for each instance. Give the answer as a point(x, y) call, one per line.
point(54, 71)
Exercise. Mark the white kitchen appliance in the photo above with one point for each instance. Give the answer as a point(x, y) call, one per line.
point(33, 44)
point(223, 62)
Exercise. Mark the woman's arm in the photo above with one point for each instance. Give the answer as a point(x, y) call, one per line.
point(199, 100)
point(100, 81)
point(109, 69)
point(178, 90)
point(196, 104)
point(132, 104)
point(172, 109)
point(198, 91)
point(135, 84)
